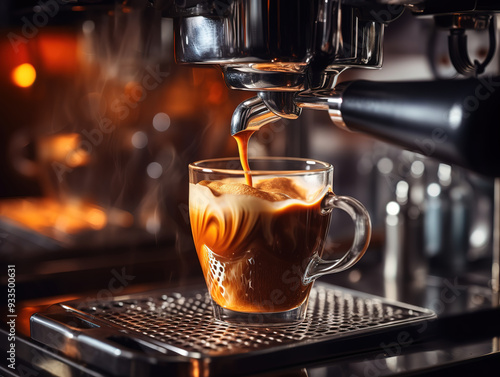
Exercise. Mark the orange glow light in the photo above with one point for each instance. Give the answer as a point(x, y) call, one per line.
point(24, 75)
point(58, 53)
point(53, 218)
point(96, 218)
point(64, 148)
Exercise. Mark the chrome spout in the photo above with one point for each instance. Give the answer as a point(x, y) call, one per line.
point(265, 108)
point(251, 115)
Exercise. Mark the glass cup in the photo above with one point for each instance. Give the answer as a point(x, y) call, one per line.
point(260, 247)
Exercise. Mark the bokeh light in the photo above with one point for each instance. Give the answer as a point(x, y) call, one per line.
point(24, 75)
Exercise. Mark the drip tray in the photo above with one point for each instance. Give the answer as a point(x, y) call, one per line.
point(174, 332)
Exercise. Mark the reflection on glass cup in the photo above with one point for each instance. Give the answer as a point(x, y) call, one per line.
point(260, 247)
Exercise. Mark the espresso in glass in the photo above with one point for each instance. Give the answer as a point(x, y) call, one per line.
point(260, 245)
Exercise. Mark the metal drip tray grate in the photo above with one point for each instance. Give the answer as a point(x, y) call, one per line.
point(177, 330)
point(187, 322)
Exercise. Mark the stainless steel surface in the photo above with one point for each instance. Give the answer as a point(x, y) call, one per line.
point(251, 115)
point(178, 327)
point(269, 107)
point(329, 100)
point(281, 45)
point(281, 103)
point(324, 100)
point(280, 48)
point(405, 262)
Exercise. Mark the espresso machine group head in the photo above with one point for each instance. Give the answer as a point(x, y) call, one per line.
point(280, 49)
point(292, 52)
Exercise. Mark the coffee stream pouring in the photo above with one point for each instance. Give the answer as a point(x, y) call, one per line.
point(292, 53)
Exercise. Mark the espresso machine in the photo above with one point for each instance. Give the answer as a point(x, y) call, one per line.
point(292, 55)
point(295, 56)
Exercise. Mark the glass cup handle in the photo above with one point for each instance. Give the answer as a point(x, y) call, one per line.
point(362, 233)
